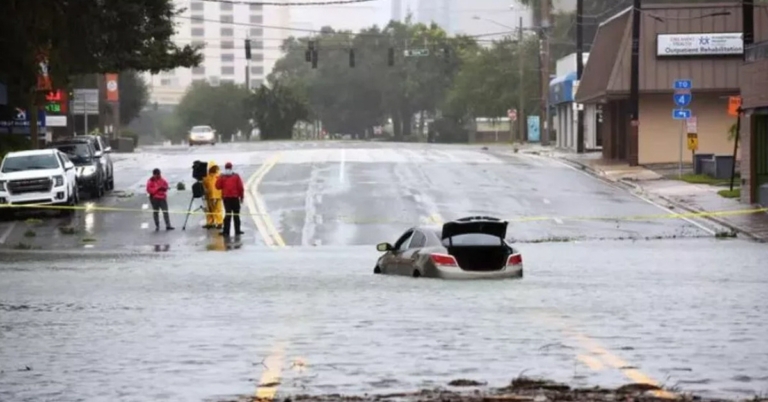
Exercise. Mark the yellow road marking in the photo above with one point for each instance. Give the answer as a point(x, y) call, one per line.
point(257, 207)
point(591, 362)
point(270, 378)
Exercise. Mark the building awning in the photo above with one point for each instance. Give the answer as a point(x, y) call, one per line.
point(561, 89)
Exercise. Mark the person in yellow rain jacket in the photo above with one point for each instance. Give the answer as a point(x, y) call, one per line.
point(214, 217)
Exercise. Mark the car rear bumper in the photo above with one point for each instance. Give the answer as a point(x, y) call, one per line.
point(456, 273)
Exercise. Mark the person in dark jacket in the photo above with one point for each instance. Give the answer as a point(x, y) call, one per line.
point(157, 188)
point(232, 193)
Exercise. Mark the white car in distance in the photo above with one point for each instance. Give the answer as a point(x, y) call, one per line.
point(202, 135)
point(39, 177)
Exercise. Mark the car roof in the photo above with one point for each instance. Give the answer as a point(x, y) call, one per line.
point(33, 152)
point(68, 142)
point(209, 127)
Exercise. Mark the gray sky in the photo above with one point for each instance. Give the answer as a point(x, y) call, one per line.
point(352, 16)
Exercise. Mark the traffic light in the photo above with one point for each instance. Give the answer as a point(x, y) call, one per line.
point(391, 56)
point(352, 57)
point(314, 58)
point(248, 49)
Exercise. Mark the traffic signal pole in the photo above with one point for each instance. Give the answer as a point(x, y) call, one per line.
point(579, 72)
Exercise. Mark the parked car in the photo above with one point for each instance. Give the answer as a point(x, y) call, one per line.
point(89, 171)
point(202, 135)
point(103, 151)
point(467, 248)
point(42, 177)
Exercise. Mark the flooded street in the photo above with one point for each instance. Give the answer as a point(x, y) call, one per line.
point(139, 315)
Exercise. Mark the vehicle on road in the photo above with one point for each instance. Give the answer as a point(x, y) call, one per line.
point(202, 135)
point(103, 151)
point(42, 177)
point(467, 248)
point(89, 171)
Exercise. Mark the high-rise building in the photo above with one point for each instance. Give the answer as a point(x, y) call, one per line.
point(222, 28)
point(482, 18)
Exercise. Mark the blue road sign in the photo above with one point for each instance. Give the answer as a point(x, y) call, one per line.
point(682, 84)
point(681, 114)
point(682, 99)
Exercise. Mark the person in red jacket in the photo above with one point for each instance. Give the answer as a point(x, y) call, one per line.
point(157, 188)
point(232, 193)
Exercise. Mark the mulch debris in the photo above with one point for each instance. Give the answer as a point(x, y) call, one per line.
point(519, 390)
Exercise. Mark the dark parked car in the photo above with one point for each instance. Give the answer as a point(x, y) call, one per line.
point(467, 248)
point(90, 173)
point(103, 151)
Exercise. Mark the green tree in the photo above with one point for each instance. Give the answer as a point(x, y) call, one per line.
point(84, 37)
point(133, 95)
point(222, 107)
point(276, 111)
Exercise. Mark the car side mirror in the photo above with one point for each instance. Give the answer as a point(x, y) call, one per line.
point(69, 166)
point(384, 247)
point(108, 150)
point(98, 154)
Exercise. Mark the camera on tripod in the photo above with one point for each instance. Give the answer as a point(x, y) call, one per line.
point(199, 170)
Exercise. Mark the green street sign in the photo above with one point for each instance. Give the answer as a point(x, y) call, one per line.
point(416, 52)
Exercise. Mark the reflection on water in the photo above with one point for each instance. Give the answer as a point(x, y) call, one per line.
point(89, 218)
point(161, 248)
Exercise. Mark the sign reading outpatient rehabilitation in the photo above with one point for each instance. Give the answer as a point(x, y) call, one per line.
point(712, 44)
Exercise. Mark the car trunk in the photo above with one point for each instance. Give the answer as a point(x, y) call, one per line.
point(480, 258)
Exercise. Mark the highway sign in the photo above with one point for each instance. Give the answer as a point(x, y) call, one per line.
point(416, 52)
point(693, 141)
point(681, 114)
point(682, 99)
point(691, 125)
point(683, 84)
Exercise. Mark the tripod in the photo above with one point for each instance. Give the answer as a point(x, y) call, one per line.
point(198, 192)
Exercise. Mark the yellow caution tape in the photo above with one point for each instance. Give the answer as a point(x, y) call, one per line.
point(356, 220)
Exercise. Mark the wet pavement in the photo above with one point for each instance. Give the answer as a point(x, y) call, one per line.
point(603, 302)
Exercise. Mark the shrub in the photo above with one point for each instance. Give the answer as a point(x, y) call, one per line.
point(12, 143)
point(130, 134)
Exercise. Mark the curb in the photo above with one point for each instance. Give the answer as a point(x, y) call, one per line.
point(715, 220)
point(626, 184)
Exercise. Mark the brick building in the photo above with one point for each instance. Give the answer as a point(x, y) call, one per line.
point(700, 42)
point(754, 131)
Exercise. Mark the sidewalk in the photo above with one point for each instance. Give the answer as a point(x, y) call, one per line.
point(730, 213)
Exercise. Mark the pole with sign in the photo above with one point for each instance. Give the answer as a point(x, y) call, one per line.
point(734, 109)
point(691, 127)
point(682, 98)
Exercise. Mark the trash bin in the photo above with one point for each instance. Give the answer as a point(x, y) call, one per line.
point(762, 195)
point(697, 158)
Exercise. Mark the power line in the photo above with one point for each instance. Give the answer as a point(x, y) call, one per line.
point(315, 31)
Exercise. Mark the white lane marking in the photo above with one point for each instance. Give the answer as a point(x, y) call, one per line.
point(144, 206)
point(341, 165)
point(558, 221)
point(655, 204)
point(7, 232)
point(546, 201)
point(88, 246)
point(145, 225)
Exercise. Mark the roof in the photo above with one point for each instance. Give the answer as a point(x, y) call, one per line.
point(31, 152)
point(608, 71)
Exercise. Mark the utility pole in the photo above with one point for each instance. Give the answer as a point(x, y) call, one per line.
point(248, 62)
point(579, 72)
point(634, 88)
point(520, 90)
point(544, 25)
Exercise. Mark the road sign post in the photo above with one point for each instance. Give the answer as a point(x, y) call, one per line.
point(691, 128)
point(682, 98)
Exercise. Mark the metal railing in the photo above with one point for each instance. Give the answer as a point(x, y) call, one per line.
point(756, 51)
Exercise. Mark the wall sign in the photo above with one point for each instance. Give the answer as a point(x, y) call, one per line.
point(705, 44)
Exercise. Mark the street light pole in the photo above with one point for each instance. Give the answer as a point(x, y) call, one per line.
point(520, 90)
point(634, 87)
point(579, 72)
point(544, 35)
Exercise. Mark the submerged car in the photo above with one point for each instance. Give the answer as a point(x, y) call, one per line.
point(467, 248)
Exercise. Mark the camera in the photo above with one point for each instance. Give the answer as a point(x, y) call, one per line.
point(199, 170)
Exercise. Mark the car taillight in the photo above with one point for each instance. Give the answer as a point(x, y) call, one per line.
point(444, 260)
point(515, 259)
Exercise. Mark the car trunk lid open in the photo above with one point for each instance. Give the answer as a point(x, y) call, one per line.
point(478, 245)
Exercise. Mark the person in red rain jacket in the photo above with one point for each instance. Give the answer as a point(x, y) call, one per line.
point(157, 188)
point(232, 193)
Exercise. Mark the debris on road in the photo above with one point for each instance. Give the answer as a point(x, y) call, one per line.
point(519, 390)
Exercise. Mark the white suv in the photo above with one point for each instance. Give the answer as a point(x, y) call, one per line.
point(42, 177)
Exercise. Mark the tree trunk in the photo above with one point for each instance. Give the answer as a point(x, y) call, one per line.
point(397, 127)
